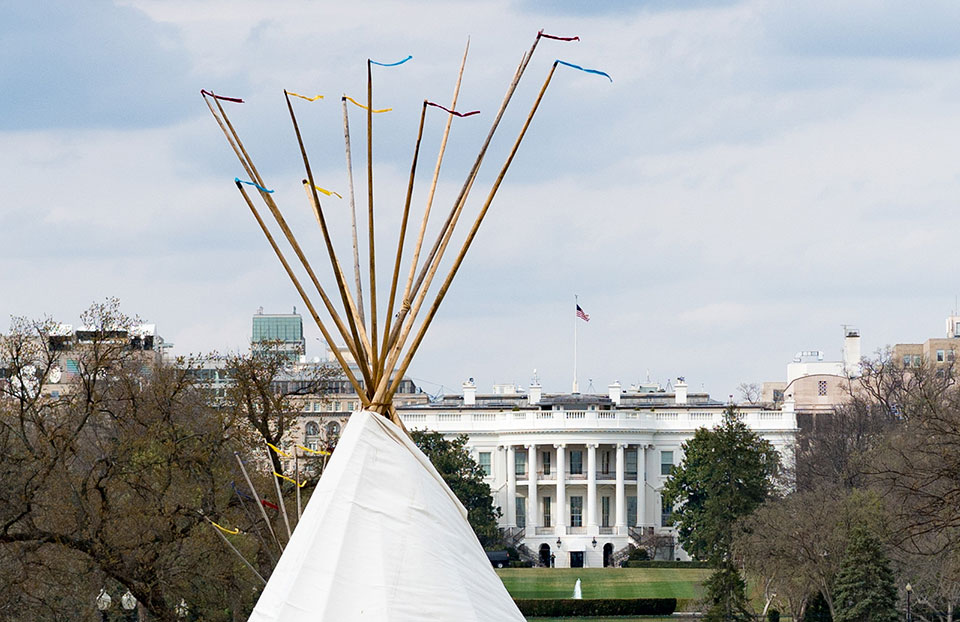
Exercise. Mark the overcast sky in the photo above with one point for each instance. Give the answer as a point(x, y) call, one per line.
point(757, 175)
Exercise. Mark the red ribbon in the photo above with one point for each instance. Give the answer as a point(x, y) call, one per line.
point(459, 114)
point(236, 100)
point(267, 504)
point(546, 36)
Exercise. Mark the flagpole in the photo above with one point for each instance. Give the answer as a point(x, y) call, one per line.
point(576, 388)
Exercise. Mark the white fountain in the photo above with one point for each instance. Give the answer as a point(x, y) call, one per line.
point(577, 594)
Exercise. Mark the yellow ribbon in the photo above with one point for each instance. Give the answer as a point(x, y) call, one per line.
point(328, 192)
point(278, 450)
point(364, 107)
point(314, 451)
point(309, 99)
point(224, 529)
point(291, 480)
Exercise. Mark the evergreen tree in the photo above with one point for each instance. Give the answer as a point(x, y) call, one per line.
point(727, 472)
point(865, 590)
point(726, 596)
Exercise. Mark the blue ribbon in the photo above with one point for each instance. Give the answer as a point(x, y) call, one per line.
point(596, 71)
point(399, 62)
point(255, 185)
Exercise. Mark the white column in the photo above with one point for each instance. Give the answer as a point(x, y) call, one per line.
point(561, 514)
point(533, 508)
point(592, 488)
point(641, 484)
point(621, 517)
point(511, 487)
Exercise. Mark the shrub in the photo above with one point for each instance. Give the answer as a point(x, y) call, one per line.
point(773, 615)
point(638, 554)
point(519, 564)
point(569, 607)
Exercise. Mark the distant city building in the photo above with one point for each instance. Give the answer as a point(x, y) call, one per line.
point(67, 345)
point(281, 332)
point(937, 351)
point(815, 385)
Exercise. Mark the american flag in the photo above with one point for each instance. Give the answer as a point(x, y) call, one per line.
point(583, 316)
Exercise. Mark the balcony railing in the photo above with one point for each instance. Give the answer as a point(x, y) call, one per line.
point(545, 531)
point(606, 475)
point(648, 419)
point(576, 531)
point(608, 531)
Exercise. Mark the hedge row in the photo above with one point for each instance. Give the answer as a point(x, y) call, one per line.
point(665, 564)
point(569, 607)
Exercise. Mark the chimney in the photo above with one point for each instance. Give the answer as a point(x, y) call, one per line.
point(469, 393)
point(536, 392)
point(680, 390)
point(851, 352)
point(615, 392)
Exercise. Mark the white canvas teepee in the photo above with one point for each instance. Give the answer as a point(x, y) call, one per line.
point(383, 538)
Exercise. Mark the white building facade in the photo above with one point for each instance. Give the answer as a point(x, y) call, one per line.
point(579, 477)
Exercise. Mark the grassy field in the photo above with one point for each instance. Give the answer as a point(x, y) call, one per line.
point(680, 583)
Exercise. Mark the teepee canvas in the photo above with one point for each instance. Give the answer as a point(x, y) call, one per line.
point(382, 537)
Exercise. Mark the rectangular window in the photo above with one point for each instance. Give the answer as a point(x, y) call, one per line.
point(632, 518)
point(576, 511)
point(576, 462)
point(520, 463)
point(666, 462)
point(484, 461)
point(546, 462)
point(547, 522)
point(906, 360)
point(521, 512)
point(950, 356)
point(941, 356)
point(73, 367)
point(604, 511)
point(316, 407)
point(631, 464)
point(605, 462)
point(916, 360)
point(666, 513)
point(822, 388)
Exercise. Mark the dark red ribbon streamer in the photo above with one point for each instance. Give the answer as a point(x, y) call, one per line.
point(236, 100)
point(546, 36)
point(459, 114)
point(269, 505)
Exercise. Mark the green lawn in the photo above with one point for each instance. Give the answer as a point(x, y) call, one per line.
point(679, 583)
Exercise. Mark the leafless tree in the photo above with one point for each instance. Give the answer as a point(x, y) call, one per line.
point(111, 479)
point(750, 392)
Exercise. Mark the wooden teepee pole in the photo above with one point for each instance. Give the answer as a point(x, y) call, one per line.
point(303, 296)
point(431, 264)
point(403, 233)
point(353, 210)
point(371, 244)
point(357, 330)
point(466, 245)
point(433, 183)
point(397, 337)
point(248, 165)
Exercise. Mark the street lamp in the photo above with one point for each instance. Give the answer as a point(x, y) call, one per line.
point(594, 543)
point(909, 592)
point(558, 543)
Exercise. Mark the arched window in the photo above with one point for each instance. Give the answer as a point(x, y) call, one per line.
point(333, 429)
point(312, 428)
